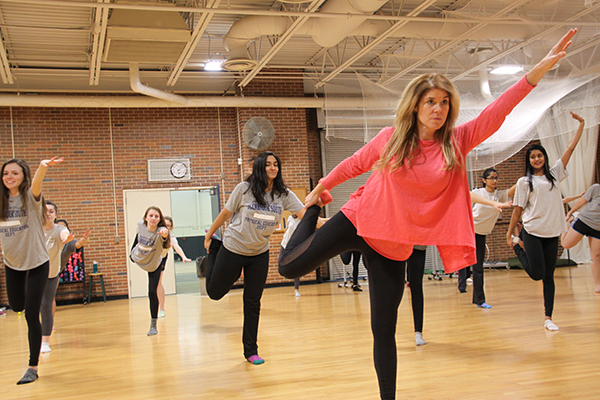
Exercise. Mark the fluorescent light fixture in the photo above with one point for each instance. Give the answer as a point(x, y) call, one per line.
point(507, 70)
point(215, 62)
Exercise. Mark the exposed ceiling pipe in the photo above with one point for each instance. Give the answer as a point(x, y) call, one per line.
point(324, 31)
point(139, 87)
point(75, 101)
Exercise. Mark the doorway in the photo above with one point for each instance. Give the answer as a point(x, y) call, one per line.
point(193, 211)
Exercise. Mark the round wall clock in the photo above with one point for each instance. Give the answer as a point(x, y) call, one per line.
point(178, 169)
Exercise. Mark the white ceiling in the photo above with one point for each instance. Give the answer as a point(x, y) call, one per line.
point(57, 46)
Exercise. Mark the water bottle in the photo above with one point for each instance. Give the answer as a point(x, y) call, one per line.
point(95, 267)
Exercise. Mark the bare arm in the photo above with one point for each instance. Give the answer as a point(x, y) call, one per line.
point(516, 217)
point(38, 178)
point(578, 204)
point(566, 156)
point(511, 191)
point(475, 198)
point(84, 239)
point(223, 216)
point(179, 251)
point(569, 199)
point(556, 53)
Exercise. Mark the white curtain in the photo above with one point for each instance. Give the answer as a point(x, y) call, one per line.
point(555, 131)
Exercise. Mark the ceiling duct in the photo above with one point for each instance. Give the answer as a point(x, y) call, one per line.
point(145, 36)
point(326, 32)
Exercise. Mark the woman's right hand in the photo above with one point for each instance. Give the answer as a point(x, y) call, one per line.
point(577, 117)
point(314, 196)
point(207, 241)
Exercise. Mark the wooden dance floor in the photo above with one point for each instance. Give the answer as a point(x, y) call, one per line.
point(319, 346)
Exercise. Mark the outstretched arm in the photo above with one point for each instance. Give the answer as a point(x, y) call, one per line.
point(569, 199)
point(38, 178)
point(180, 251)
point(223, 216)
point(475, 198)
point(556, 53)
point(566, 156)
point(84, 239)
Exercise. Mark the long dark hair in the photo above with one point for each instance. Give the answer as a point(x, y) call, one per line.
point(23, 187)
point(161, 223)
point(259, 182)
point(487, 173)
point(529, 169)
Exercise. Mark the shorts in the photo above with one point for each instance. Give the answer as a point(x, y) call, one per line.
point(581, 227)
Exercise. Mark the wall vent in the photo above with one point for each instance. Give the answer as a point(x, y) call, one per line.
point(169, 170)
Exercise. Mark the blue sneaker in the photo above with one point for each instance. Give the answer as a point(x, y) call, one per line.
point(484, 305)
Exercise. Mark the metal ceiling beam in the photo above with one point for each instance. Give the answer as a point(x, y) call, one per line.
point(453, 42)
point(374, 43)
point(188, 51)
point(4, 64)
point(230, 11)
point(520, 45)
point(283, 39)
point(99, 36)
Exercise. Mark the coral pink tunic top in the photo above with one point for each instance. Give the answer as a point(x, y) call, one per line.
point(424, 203)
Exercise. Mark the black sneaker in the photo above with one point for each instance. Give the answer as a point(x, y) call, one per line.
point(356, 288)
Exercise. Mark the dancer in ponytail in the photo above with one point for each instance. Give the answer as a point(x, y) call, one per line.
point(539, 202)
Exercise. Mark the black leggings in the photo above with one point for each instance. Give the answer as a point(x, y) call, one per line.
point(539, 261)
point(353, 256)
point(223, 269)
point(414, 273)
point(47, 305)
point(153, 280)
point(25, 290)
point(478, 293)
point(308, 249)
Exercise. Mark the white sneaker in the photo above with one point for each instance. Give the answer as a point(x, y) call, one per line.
point(297, 293)
point(469, 280)
point(551, 326)
point(45, 348)
point(161, 314)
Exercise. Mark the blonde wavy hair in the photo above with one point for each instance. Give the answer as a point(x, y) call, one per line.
point(404, 143)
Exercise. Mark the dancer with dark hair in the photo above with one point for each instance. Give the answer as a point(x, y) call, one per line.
point(587, 223)
point(418, 193)
point(539, 202)
point(254, 210)
point(487, 204)
point(149, 250)
point(26, 260)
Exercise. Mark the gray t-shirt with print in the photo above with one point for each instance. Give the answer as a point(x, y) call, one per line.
point(590, 213)
point(252, 224)
point(147, 253)
point(22, 234)
point(55, 246)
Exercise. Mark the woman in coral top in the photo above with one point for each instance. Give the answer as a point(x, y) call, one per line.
point(418, 193)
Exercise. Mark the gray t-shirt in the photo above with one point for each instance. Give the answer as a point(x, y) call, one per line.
point(22, 234)
point(590, 213)
point(55, 246)
point(252, 224)
point(484, 216)
point(147, 253)
point(544, 214)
